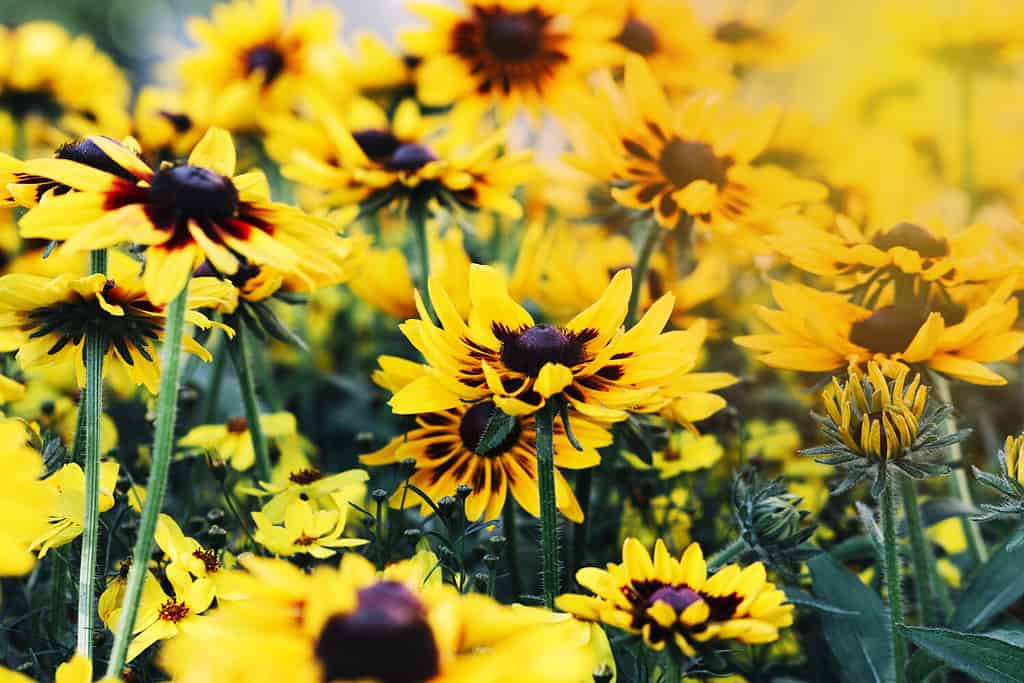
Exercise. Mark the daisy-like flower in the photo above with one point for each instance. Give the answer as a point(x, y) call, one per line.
point(184, 213)
point(24, 500)
point(266, 53)
point(686, 160)
point(445, 444)
point(390, 162)
point(46, 321)
point(78, 669)
point(64, 518)
point(186, 552)
point(507, 54)
point(306, 530)
point(307, 483)
point(684, 452)
point(674, 602)
point(502, 355)
point(755, 35)
point(350, 624)
point(169, 122)
point(231, 442)
point(815, 331)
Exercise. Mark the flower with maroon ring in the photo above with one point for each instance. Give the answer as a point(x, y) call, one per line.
point(183, 213)
point(674, 602)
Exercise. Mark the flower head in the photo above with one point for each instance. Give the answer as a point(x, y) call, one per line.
point(231, 442)
point(24, 500)
point(306, 530)
point(65, 516)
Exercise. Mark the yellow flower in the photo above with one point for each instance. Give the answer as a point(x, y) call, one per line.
point(65, 515)
point(507, 54)
point(232, 443)
point(307, 483)
point(684, 452)
point(665, 516)
point(675, 602)
point(350, 623)
point(183, 212)
point(24, 501)
point(691, 160)
point(822, 331)
point(306, 530)
point(78, 669)
point(186, 552)
point(1014, 463)
point(168, 123)
point(756, 36)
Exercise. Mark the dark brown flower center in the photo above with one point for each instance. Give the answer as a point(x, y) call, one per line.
point(513, 36)
point(474, 424)
point(529, 350)
point(181, 122)
point(173, 611)
point(887, 330)
point(387, 638)
point(208, 557)
point(237, 425)
point(736, 31)
point(683, 162)
point(379, 145)
point(194, 192)
point(638, 36)
point(88, 152)
point(409, 157)
point(305, 476)
point(678, 598)
point(913, 237)
point(266, 59)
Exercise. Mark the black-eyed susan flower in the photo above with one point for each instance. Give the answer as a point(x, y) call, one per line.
point(65, 517)
point(266, 53)
point(184, 213)
point(46, 321)
point(169, 122)
point(674, 602)
point(231, 442)
point(683, 452)
point(815, 331)
point(755, 35)
point(445, 447)
point(508, 55)
point(306, 530)
point(24, 500)
point(351, 623)
point(691, 159)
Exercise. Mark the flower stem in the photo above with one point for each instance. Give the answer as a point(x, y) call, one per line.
point(417, 215)
point(545, 419)
point(584, 484)
point(243, 369)
point(648, 241)
point(671, 672)
point(928, 585)
point(723, 556)
point(163, 445)
point(508, 528)
point(92, 409)
point(959, 486)
point(208, 411)
point(893, 579)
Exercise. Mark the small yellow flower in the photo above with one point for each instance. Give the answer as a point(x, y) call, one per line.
point(24, 500)
point(232, 442)
point(65, 517)
point(306, 530)
point(684, 452)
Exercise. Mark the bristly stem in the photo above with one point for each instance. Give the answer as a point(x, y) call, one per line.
point(726, 554)
point(650, 235)
point(92, 408)
point(545, 420)
point(584, 484)
point(243, 370)
point(508, 529)
point(959, 486)
point(928, 585)
point(163, 446)
point(416, 213)
point(893, 579)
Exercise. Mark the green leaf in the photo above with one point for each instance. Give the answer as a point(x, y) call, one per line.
point(859, 641)
point(801, 597)
point(921, 666)
point(997, 585)
point(498, 428)
point(937, 509)
point(986, 659)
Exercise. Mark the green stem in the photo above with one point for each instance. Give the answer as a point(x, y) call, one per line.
point(584, 484)
point(508, 528)
point(208, 412)
point(545, 418)
point(671, 673)
point(959, 486)
point(928, 585)
point(726, 554)
point(417, 216)
point(163, 446)
point(893, 579)
point(243, 369)
point(648, 241)
point(92, 407)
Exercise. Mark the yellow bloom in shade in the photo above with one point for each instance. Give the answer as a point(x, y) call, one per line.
point(691, 159)
point(24, 500)
point(507, 54)
point(265, 53)
point(78, 669)
point(306, 530)
point(815, 331)
point(307, 483)
point(684, 452)
point(444, 447)
point(675, 602)
point(46, 320)
point(232, 443)
point(350, 624)
point(65, 516)
point(184, 213)
point(503, 355)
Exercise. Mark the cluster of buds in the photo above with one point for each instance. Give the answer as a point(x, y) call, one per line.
point(1009, 483)
point(875, 423)
point(772, 524)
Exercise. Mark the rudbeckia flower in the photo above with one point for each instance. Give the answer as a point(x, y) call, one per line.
point(506, 54)
point(502, 355)
point(684, 452)
point(444, 446)
point(184, 213)
point(674, 602)
point(816, 331)
point(306, 530)
point(231, 442)
point(46, 321)
point(351, 623)
point(65, 516)
point(691, 159)
point(755, 35)
point(24, 500)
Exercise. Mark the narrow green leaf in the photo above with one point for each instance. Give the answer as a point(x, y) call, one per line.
point(997, 585)
point(498, 428)
point(860, 641)
point(935, 510)
point(986, 659)
point(798, 596)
